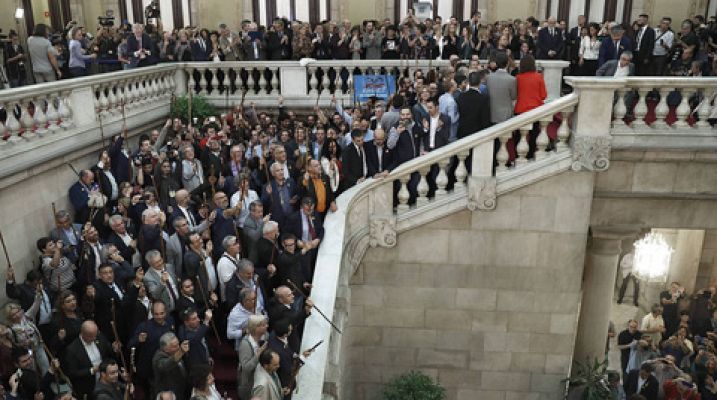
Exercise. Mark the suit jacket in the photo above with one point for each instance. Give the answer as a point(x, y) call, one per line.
point(119, 166)
point(248, 362)
point(76, 364)
point(546, 42)
point(104, 296)
point(503, 91)
point(79, 196)
point(274, 49)
point(608, 69)
point(286, 359)
point(609, 52)
point(133, 45)
point(169, 375)
point(272, 202)
point(408, 144)
point(647, 45)
point(127, 252)
point(649, 389)
point(265, 387)
point(175, 254)
point(441, 137)
point(107, 392)
point(352, 165)
point(252, 231)
point(156, 290)
point(307, 189)
point(197, 53)
point(198, 354)
point(248, 47)
point(374, 166)
point(474, 111)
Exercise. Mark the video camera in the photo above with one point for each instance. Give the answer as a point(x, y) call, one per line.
point(152, 10)
point(107, 20)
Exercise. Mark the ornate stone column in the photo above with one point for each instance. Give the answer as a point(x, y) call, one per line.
point(599, 276)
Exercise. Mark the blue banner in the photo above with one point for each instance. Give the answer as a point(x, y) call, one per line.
point(379, 86)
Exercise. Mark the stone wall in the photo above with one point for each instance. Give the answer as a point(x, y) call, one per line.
point(486, 302)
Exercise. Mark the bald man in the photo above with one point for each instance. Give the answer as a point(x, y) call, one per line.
point(83, 358)
point(550, 41)
point(378, 156)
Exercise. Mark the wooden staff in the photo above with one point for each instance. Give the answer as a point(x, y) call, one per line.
point(4, 249)
point(206, 303)
point(114, 330)
point(102, 130)
point(59, 369)
point(126, 143)
point(256, 291)
point(130, 371)
point(162, 246)
point(297, 366)
point(69, 164)
point(189, 103)
point(211, 173)
point(296, 288)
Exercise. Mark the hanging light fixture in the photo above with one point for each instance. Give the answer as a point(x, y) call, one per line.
point(652, 258)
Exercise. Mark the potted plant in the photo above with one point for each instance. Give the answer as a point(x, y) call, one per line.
point(589, 381)
point(201, 109)
point(413, 385)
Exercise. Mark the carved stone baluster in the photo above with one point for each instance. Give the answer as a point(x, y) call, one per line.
point(523, 148)
point(542, 141)
point(151, 87)
point(350, 81)
point(262, 81)
point(313, 82)
point(338, 84)
point(461, 171)
point(128, 95)
point(275, 81)
point(202, 81)
point(704, 108)
point(112, 98)
point(28, 124)
point(502, 155)
point(619, 110)
point(103, 103)
point(563, 130)
point(11, 123)
point(40, 117)
point(641, 109)
point(683, 110)
point(65, 110)
point(422, 187)
point(325, 82)
point(53, 117)
point(403, 193)
point(3, 133)
point(215, 80)
point(143, 89)
point(191, 85)
point(442, 178)
point(662, 109)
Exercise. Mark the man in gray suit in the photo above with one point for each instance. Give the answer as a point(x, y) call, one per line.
point(160, 283)
point(69, 233)
point(618, 68)
point(254, 224)
point(372, 41)
point(266, 380)
point(176, 244)
point(502, 91)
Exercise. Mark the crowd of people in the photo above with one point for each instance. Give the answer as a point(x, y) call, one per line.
point(655, 47)
point(669, 353)
point(209, 231)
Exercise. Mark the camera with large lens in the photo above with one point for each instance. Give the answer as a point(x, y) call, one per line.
point(152, 10)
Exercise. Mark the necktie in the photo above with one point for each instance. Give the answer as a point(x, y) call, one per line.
point(117, 290)
point(639, 38)
point(363, 160)
point(379, 153)
point(312, 231)
point(552, 32)
point(617, 49)
point(172, 293)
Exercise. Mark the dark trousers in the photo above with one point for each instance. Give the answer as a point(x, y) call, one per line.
point(635, 285)
point(77, 72)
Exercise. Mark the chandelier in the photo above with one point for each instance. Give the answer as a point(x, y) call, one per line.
point(652, 258)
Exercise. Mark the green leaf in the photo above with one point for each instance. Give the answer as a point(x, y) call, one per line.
point(201, 109)
point(413, 385)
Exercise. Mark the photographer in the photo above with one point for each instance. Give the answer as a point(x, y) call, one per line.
point(105, 46)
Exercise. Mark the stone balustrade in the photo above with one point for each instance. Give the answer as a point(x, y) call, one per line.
point(367, 216)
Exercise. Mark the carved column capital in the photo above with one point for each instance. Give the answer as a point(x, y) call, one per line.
point(382, 231)
point(482, 193)
point(591, 153)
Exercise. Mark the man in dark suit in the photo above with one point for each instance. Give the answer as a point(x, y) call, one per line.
point(644, 45)
point(436, 128)
point(378, 156)
point(550, 41)
point(201, 49)
point(306, 226)
point(109, 303)
point(280, 195)
point(473, 108)
point(353, 158)
point(611, 49)
point(170, 371)
point(642, 382)
point(194, 330)
point(83, 358)
point(278, 41)
point(573, 42)
point(123, 240)
point(139, 47)
point(279, 342)
point(80, 195)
